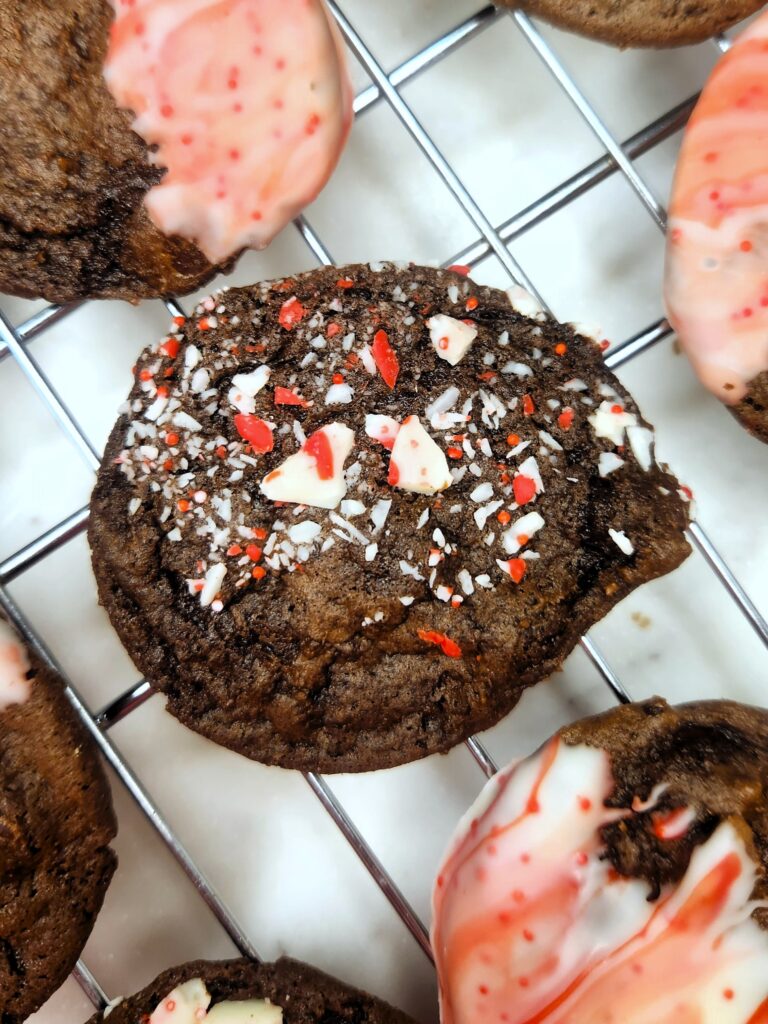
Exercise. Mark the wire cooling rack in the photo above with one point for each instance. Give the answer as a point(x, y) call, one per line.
point(618, 158)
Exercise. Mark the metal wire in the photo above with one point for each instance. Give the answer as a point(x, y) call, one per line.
point(492, 241)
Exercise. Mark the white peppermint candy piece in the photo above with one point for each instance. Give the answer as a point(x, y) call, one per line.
point(315, 474)
point(610, 420)
point(417, 464)
point(521, 300)
point(608, 462)
point(450, 337)
point(622, 541)
point(521, 531)
point(252, 383)
point(383, 429)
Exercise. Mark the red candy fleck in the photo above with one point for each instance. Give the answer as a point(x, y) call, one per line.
point(345, 282)
point(504, 517)
point(179, 320)
point(524, 488)
point(447, 646)
point(162, 391)
point(171, 347)
point(455, 453)
point(617, 409)
point(394, 473)
point(385, 358)
point(171, 439)
point(259, 573)
point(291, 313)
point(338, 378)
point(528, 406)
point(565, 419)
point(319, 447)
point(255, 431)
point(254, 552)
point(472, 303)
point(145, 375)
point(517, 567)
point(333, 330)
point(284, 396)
point(234, 550)
point(459, 268)
point(203, 325)
point(513, 440)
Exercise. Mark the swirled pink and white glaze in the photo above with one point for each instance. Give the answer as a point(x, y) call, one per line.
point(717, 243)
point(247, 102)
point(14, 666)
point(531, 925)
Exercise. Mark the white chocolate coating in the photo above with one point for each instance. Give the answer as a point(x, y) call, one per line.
point(532, 926)
point(717, 250)
point(14, 666)
point(249, 105)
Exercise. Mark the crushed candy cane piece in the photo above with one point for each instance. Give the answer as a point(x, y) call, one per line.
point(448, 646)
point(608, 462)
point(451, 338)
point(610, 420)
point(520, 532)
point(521, 300)
point(417, 463)
point(622, 541)
point(314, 475)
point(385, 358)
point(383, 429)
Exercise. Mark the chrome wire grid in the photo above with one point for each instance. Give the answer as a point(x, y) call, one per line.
point(15, 342)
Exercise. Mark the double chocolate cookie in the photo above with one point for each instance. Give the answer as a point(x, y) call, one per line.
point(642, 22)
point(345, 519)
point(285, 992)
point(146, 145)
point(617, 874)
point(56, 823)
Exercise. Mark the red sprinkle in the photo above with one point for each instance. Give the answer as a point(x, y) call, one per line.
point(254, 552)
point(441, 640)
point(528, 406)
point(459, 268)
point(256, 432)
point(561, 349)
point(203, 325)
point(472, 303)
point(565, 419)
point(145, 375)
point(171, 347)
point(333, 330)
point(284, 396)
point(345, 282)
point(234, 550)
point(319, 447)
point(618, 409)
point(179, 320)
point(258, 572)
point(524, 488)
point(385, 358)
point(183, 505)
point(517, 567)
point(291, 313)
point(455, 453)
point(504, 517)
point(513, 440)
point(171, 440)
point(338, 378)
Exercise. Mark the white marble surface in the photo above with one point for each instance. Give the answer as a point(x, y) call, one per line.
point(259, 834)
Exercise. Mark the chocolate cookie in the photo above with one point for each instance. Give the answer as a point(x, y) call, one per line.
point(145, 166)
point(641, 22)
point(619, 873)
point(711, 756)
point(752, 411)
point(297, 994)
point(344, 520)
point(56, 823)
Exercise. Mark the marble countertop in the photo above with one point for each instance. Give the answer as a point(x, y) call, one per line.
point(260, 834)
